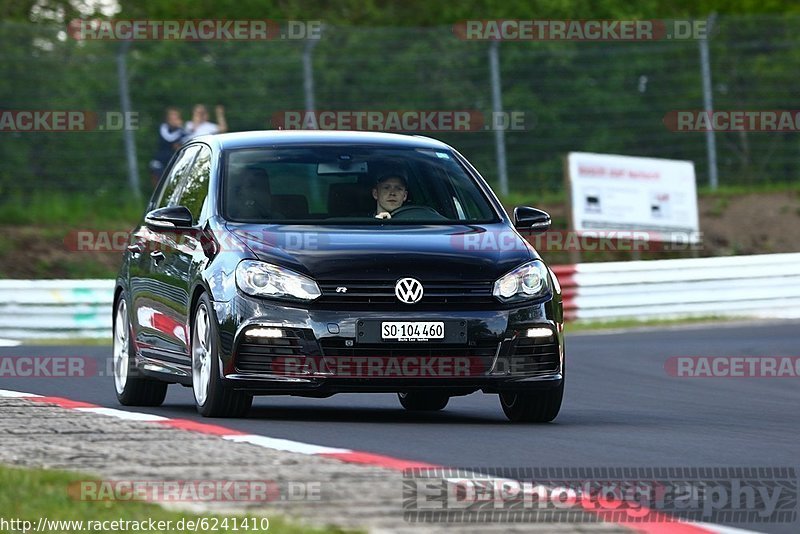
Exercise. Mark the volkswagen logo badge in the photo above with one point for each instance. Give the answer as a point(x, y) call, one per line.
point(408, 290)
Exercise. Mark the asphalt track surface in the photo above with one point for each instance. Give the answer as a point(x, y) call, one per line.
point(621, 409)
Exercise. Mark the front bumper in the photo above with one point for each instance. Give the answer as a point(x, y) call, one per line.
point(319, 352)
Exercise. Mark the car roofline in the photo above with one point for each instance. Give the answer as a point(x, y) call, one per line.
point(262, 138)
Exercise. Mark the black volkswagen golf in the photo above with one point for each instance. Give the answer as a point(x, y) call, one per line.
point(312, 263)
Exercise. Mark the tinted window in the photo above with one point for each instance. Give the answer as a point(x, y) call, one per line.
point(335, 184)
point(169, 194)
point(194, 186)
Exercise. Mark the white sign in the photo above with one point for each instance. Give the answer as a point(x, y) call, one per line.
point(655, 198)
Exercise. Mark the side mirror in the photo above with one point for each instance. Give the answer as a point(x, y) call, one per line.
point(172, 217)
point(532, 219)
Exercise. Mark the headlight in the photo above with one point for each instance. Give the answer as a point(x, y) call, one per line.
point(527, 281)
point(265, 280)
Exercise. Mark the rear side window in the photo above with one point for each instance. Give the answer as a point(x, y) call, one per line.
point(194, 186)
point(169, 194)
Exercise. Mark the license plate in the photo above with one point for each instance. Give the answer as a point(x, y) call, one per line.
point(412, 330)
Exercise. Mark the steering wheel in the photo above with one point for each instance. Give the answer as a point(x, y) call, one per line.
point(416, 212)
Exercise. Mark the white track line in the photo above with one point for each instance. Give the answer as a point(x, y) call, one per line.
point(721, 529)
point(121, 414)
point(284, 444)
point(16, 394)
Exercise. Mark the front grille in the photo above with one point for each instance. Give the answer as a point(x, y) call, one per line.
point(258, 354)
point(531, 356)
point(381, 296)
point(404, 360)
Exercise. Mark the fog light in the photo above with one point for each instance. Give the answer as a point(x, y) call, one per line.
point(264, 332)
point(539, 332)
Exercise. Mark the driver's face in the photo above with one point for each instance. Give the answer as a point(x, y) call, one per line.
point(390, 194)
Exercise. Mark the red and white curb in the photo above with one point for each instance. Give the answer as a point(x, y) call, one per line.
point(660, 524)
point(345, 455)
point(569, 289)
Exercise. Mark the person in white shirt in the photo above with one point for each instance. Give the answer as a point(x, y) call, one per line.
point(200, 125)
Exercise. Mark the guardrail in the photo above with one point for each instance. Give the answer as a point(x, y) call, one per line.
point(748, 286)
point(55, 308)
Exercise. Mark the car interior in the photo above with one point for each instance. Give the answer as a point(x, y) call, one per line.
point(262, 189)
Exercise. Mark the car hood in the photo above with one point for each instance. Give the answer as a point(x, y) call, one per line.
point(389, 252)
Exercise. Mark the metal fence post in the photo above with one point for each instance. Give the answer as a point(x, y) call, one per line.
point(308, 89)
point(308, 74)
point(125, 104)
point(497, 110)
point(708, 104)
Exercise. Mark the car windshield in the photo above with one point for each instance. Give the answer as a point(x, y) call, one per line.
point(344, 184)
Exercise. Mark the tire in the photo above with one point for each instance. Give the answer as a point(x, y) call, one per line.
point(211, 397)
point(533, 407)
point(131, 389)
point(420, 401)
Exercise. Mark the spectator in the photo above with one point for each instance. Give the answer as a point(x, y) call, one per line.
point(200, 125)
point(170, 137)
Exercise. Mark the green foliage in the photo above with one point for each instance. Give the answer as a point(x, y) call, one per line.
point(70, 210)
point(575, 96)
point(426, 13)
point(31, 494)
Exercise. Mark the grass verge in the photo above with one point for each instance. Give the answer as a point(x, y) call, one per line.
point(31, 494)
point(584, 326)
point(71, 210)
point(533, 198)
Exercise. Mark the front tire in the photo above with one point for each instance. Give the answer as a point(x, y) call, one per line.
point(417, 401)
point(533, 407)
point(132, 390)
point(211, 397)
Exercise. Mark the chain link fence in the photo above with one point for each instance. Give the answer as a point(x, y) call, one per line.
point(607, 97)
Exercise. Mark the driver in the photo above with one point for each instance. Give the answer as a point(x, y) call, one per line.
point(390, 192)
